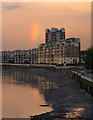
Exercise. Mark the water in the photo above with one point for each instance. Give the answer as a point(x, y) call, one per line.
point(26, 90)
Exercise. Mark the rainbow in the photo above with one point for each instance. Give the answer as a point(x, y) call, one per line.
point(33, 33)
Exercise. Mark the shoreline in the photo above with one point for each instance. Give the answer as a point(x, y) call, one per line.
point(60, 101)
point(85, 82)
point(72, 98)
point(58, 68)
point(67, 70)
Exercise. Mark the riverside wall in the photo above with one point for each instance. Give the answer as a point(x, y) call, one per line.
point(85, 82)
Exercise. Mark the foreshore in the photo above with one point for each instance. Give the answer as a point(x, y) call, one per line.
point(75, 72)
point(66, 98)
point(64, 69)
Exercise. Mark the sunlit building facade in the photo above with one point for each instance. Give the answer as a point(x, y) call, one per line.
point(54, 34)
point(42, 53)
point(20, 56)
point(57, 50)
point(34, 56)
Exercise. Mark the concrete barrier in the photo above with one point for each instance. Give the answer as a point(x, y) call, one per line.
point(86, 83)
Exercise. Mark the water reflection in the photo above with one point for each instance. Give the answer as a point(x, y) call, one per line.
point(24, 90)
point(23, 78)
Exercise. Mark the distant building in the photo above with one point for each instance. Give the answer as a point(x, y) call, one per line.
point(54, 34)
point(34, 56)
point(20, 56)
point(8, 56)
point(71, 51)
point(58, 50)
point(41, 53)
point(63, 52)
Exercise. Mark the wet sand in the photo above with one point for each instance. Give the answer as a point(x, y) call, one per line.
point(61, 92)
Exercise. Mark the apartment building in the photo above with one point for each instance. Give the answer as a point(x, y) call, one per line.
point(34, 56)
point(72, 51)
point(41, 53)
point(54, 34)
point(20, 56)
point(58, 50)
point(8, 57)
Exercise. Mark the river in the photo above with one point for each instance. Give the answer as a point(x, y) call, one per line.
point(33, 91)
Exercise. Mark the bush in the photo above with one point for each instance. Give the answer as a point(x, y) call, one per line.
point(89, 59)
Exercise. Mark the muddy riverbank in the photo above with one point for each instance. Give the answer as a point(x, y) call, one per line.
point(61, 92)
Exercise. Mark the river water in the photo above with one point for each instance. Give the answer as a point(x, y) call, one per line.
point(33, 91)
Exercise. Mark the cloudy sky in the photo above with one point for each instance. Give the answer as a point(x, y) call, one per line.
point(24, 23)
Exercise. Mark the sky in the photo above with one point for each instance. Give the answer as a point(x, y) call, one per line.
point(24, 23)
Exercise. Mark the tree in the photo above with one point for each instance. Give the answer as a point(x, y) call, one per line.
point(89, 58)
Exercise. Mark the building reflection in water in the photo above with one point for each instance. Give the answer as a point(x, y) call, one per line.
point(25, 78)
point(23, 93)
point(62, 95)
